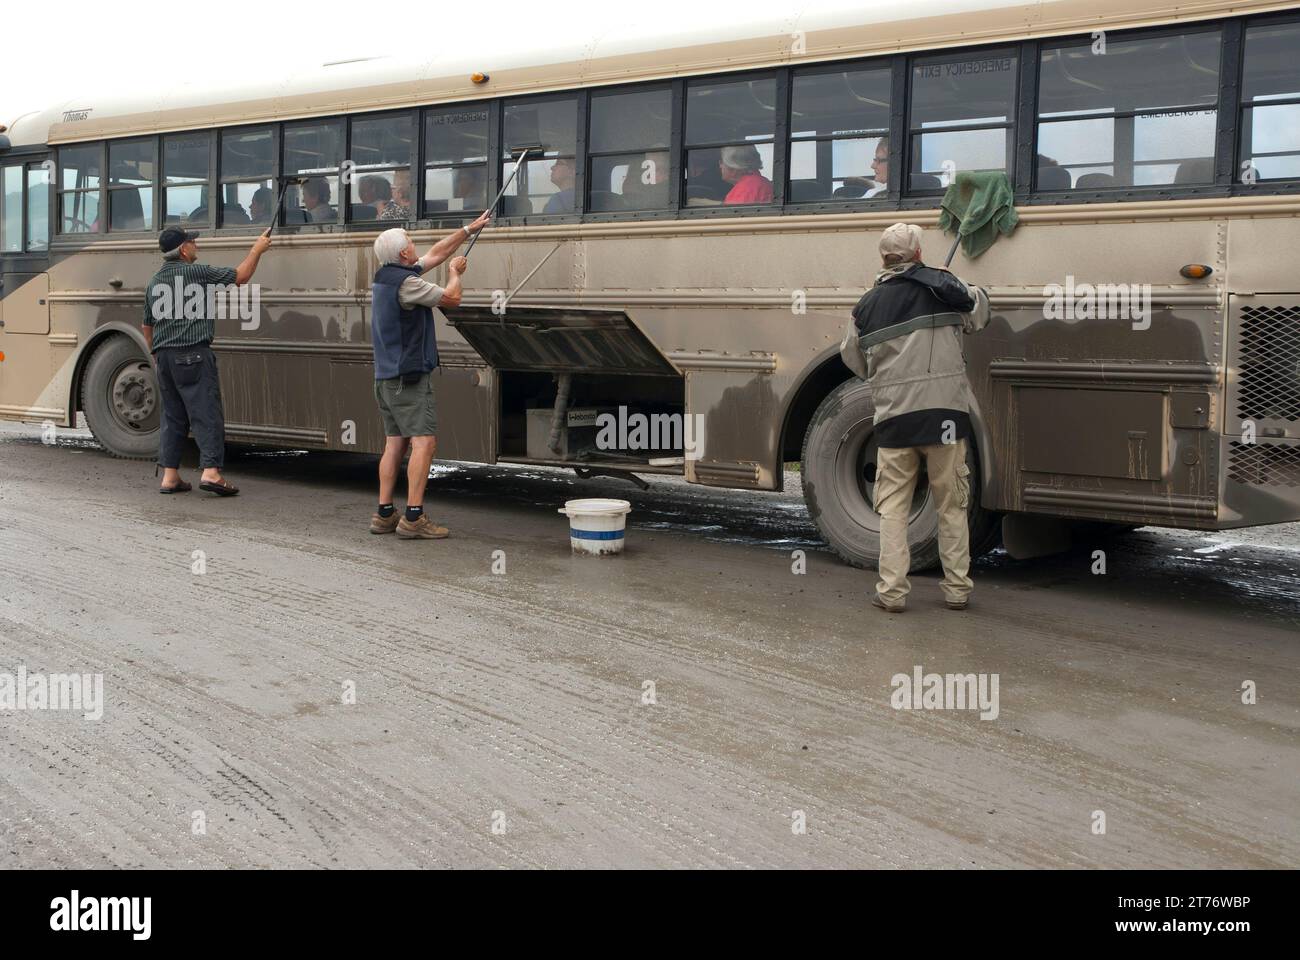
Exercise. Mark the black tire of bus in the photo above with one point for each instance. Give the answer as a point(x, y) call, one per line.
point(116, 357)
point(836, 452)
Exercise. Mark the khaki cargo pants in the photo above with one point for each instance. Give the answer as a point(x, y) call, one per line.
point(896, 472)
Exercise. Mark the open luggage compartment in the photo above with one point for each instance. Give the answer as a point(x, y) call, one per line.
point(579, 388)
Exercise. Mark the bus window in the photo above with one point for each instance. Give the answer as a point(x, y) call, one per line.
point(546, 184)
point(1142, 113)
point(247, 169)
point(730, 130)
point(1270, 116)
point(79, 187)
point(38, 207)
point(11, 210)
point(627, 150)
point(382, 151)
point(314, 151)
point(186, 159)
point(455, 160)
point(962, 109)
point(838, 123)
point(132, 169)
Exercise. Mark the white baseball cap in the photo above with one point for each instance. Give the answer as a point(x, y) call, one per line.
point(901, 239)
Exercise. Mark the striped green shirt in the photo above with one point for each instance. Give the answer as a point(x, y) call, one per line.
point(179, 317)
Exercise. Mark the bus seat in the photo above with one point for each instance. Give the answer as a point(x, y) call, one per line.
point(602, 200)
point(702, 193)
point(516, 206)
point(1094, 181)
point(1053, 178)
point(232, 214)
point(364, 211)
point(850, 191)
point(802, 191)
point(926, 181)
point(1200, 170)
point(128, 214)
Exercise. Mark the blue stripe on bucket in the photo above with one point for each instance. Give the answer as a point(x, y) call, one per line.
point(595, 534)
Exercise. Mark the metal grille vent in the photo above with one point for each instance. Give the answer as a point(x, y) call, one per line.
point(1268, 380)
point(1265, 464)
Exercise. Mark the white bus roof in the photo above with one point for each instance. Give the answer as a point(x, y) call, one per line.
point(596, 52)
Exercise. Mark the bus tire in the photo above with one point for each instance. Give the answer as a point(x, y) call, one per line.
point(121, 399)
point(836, 452)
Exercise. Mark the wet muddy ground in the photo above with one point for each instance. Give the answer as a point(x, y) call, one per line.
point(695, 702)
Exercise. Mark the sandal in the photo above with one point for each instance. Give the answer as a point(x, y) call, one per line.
point(179, 487)
point(223, 489)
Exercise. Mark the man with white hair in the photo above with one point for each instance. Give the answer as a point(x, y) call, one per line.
point(406, 353)
point(905, 339)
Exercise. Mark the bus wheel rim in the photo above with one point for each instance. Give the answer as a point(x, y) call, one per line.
point(857, 450)
point(133, 397)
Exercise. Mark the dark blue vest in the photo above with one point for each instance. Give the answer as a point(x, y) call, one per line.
point(404, 340)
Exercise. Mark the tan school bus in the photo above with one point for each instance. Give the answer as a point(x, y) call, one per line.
point(694, 218)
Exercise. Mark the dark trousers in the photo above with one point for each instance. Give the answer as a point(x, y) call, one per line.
point(191, 401)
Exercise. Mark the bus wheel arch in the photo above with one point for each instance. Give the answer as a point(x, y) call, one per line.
point(117, 390)
point(838, 456)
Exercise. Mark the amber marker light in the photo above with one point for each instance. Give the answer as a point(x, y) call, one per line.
point(478, 78)
point(1196, 271)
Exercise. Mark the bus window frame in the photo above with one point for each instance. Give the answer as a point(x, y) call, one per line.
point(281, 219)
point(213, 135)
point(21, 167)
point(216, 194)
point(414, 116)
point(155, 186)
point(1011, 126)
point(581, 97)
point(781, 132)
point(888, 63)
point(59, 192)
point(1121, 36)
point(674, 116)
point(1239, 107)
point(455, 217)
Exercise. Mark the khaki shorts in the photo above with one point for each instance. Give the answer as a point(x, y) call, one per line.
point(407, 408)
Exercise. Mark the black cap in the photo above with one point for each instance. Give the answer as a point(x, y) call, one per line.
point(173, 237)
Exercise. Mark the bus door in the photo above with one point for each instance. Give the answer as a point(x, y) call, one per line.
point(559, 369)
point(24, 247)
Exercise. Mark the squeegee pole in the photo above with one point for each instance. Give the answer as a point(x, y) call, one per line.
point(501, 193)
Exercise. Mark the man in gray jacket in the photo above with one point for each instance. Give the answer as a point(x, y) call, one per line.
point(905, 340)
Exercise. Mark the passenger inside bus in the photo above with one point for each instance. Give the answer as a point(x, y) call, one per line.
point(742, 166)
point(704, 183)
point(645, 186)
point(564, 176)
point(316, 201)
point(259, 207)
point(873, 185)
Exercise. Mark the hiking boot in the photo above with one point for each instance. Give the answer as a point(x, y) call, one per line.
point(422, 529)
point(380, 524)
point(887, 607)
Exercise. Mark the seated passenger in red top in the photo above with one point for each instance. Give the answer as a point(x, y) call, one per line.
point(741, 167)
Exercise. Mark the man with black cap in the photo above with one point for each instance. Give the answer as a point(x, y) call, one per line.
point(178, 330)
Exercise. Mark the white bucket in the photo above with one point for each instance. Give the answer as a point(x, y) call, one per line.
point(596, 526)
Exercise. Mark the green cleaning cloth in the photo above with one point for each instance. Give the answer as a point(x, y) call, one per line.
point(978, 206)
